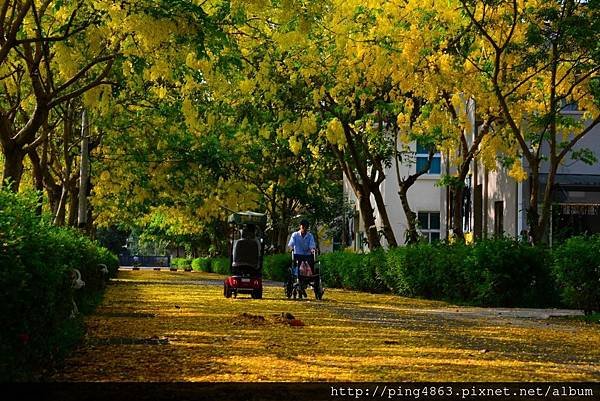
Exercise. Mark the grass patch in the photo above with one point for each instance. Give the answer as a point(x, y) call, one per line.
point(592, 318)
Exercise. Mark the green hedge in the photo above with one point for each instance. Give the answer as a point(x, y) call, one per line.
point(576, 268)
point(498, 272)
point(354, 271)
point(494, 272)
point(201, 265)
point(504, 272)
point(35, 286)
point(220, 265)
point(276, 267)
point(181, 263)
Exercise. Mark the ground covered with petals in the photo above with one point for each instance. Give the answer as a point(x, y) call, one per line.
point(177, 326)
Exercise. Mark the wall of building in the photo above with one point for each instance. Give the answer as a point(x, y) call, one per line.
point(590, 141)
point(423, 196)
point(497, 187)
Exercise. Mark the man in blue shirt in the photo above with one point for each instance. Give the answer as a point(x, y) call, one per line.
point(302, 243)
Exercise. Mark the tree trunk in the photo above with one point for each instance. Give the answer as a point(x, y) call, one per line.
point(457, 215)
point(59, 217)
point(89, 227)
point(367, 214)
point(38, 176)
point(533, 217)
point(539, 224)
point(282, 227)
point(61, 208)
point(73, 201)
point(83, 175)
point(282, 237)
point(13, 167)
point(412, 235)
point(385, 220)
point(54, 193)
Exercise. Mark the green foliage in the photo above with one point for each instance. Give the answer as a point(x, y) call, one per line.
point(585, 155)
point(36, 286)
point(357, 271)
point(429, 270)
point(201, 265)
point(372, 266)
point(503, 272)
point(498, 272)
point(592, 318)
point(112, 238)
point(181, 263)
point(422, 271)
point(220, 265)
point(450, 181)
point(275, 267)
point(576, 268)
point(392, 275)
point(336, 265)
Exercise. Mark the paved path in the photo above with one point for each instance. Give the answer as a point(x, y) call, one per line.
point(177, 326)
point(453, 312)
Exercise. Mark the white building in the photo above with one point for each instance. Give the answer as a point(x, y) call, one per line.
point(496, 203)
point(425, 197)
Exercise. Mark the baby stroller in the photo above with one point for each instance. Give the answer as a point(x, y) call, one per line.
point(301, 276)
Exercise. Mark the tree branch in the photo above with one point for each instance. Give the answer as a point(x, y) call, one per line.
point(83, 71)
point(9, 42)
point(576, 139)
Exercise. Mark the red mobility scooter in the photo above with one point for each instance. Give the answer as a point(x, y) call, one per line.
point(246, 249)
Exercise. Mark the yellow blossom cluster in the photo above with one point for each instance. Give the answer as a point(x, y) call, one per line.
point(335, 133)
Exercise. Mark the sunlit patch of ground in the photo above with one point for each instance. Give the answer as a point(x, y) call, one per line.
point(177, 326)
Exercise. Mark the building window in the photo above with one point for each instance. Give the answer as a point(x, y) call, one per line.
point(499, 217)
point(429, 225)
point(423, 155)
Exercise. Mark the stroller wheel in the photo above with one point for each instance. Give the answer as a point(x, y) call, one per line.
point(318, 288)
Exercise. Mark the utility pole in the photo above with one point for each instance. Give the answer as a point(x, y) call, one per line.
point(84, 171)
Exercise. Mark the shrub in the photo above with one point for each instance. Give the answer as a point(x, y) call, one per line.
point(346, 270)
point(181, 262)
point(275, 267)
point(576, 267)
point(201, 265)
point(373, 272)
point(220, 265)
point(419, 269)
point(35, 286)
point(392, 273)
point(455, 283)
point(373, 264)
point(497, 272)
point(504, 272)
